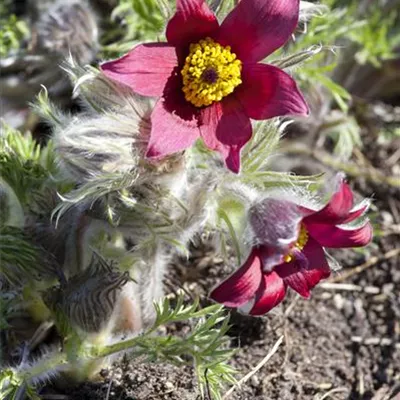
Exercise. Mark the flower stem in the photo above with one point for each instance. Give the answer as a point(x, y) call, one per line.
point(115, 348)
point(43, 366)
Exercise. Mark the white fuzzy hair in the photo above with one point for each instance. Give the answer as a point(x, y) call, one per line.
point(309, 10)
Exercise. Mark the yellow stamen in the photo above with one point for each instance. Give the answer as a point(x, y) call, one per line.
point(210, 73)
point(299, 245)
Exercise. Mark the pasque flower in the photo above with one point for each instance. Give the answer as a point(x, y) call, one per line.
point(208, 77)
point(290, 250)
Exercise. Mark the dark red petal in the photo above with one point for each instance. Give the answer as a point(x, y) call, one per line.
point(271, 292)
point(306, 269)
point(351, 216)
point(337, 210)
point(355, 213)
point(226, 128)
point(269, 92)
point(242, 285)
point(174, 125)
point(145, 69)
point(256, 28)
point(336, 237)
point(193, 20)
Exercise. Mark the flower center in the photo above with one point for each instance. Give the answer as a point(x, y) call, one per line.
point(210, 73)
point(299, 245)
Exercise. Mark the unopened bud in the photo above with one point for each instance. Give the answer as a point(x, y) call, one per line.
point(100, 145)
point(68, 28)
point(88, 299)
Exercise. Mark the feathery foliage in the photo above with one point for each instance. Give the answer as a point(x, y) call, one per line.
point(205, 346)
point(19, 258)
point(24, 164)
point(132, 21)
point(12, 33)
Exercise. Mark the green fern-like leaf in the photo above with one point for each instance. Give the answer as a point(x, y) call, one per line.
point(20, 260)
point(25, 166)
point(12, 32)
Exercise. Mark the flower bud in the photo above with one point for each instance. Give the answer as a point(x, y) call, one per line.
point(113, 141)
point(88, 299)
point(68, 29)
point(106, 144)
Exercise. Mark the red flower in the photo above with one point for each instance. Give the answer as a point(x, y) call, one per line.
point(291, 252)
point(208, 77)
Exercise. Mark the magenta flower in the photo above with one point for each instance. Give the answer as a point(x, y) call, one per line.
point(290, 250)
point(208, 77)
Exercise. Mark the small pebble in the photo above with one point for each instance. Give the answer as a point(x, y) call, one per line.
point(338, 300)
point(255, 381)
point(387, 218)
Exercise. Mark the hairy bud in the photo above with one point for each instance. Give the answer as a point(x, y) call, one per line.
point(68, 28)
point(100, 145)
point(88, 299)
point(112, 136)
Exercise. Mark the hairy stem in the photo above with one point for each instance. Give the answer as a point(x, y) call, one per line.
point(43, 366)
